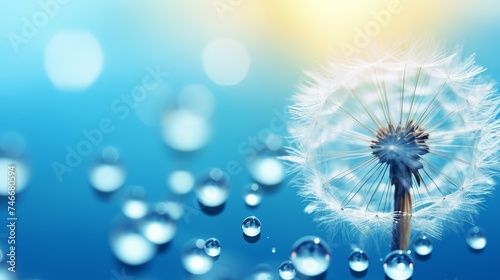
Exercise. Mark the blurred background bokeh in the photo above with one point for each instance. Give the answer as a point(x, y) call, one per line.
point(112, 104)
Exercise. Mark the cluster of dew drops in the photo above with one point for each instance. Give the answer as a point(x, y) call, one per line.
point(135, 239)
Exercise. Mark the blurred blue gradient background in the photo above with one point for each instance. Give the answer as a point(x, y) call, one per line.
point(64, 225)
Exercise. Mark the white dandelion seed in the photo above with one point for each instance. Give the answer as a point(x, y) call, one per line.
point(400, 136)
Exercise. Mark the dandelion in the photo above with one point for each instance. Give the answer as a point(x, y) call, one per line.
point(397, 137)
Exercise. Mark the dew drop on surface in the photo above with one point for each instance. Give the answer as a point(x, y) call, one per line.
point(212, 247)
point(251, 226)
point(273, 250)
point(398, 265)
point(252, 194)
point(287, 270)
point(358, 261)
point(130, 246)
point(174, 209)
point(422, 246)
point(476, 238)
point(158, 228)
point(194, 259)
point(107, 177)
point(181, 182)
point(134, 206)
point(262, 272)
point(185, 131)
point(213, 190)
point(22, 174)
point(267, 170)
point(310, 256)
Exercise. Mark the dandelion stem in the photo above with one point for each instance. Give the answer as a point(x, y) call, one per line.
point(402, 216)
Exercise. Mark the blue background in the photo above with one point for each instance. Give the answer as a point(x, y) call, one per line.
point(63, 227)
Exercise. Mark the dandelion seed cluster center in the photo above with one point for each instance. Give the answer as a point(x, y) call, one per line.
point(401, 147)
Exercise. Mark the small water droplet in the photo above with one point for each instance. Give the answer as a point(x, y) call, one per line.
point(185, 130)
point(273, 250)
point(287, 270)
point(267, 169)
point(158, 228)
point(172, 208)
point(213, 247)
point(274, 142)
point(251, 226)
point(181, 182)
point(398, 265)
point(213, 190)
point(476, 238)
point(130, 246)
point(310, 256)
point(262, 272)
point(134, 206)
point(422, 246)
point(252, 194)
point(358, 261)
point(194, 259)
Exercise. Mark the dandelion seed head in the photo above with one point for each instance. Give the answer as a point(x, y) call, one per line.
point(357, 124)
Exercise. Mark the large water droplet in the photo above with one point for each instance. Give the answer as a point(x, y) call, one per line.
point(398, 265)
point(185, 131)
point(158, 228)
point(213, 247)
point(476, 238)
point(181, 182)
point(287, 270)
point(422, 246)
point(194, 258)
point(251, 226)
point(134, 206)
point(252, 194)
point(130, 246)
point(358, 261)
point(213, 190)
point(310, 255)
point(267, 169)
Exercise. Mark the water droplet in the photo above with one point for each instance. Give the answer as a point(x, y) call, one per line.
point(130, 246)
point(213, 190)
point(252, 194)
point(476, 238)
point(22, 174)
point(358, 261)
point(213, 247)
point(181, 182)
point(134, 205)
point(172, 208)
point(185, 131)
point(197, 98)
point(310, 256)
point(274, 142)
point(107, 177)
point(398, 265)
point(226, 61)
point(262, 272)
point(422, 246)
point(287, 270)
point(158, 228)
point(251, 226)
point(273, 250)
point(194, 258)
point(82, 60)
point(110, 154)
point(267, 170)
